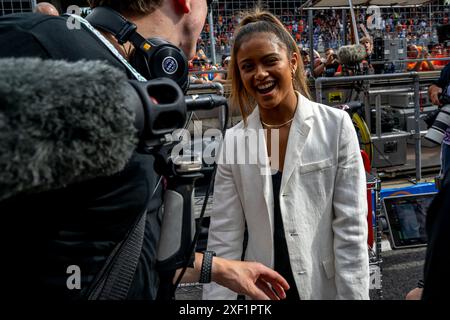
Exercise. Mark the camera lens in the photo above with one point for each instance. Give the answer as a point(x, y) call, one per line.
point(437, 131)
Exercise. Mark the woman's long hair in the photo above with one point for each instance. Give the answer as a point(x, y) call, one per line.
point(258, 21)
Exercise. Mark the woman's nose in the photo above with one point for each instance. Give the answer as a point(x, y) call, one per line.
point(261, 73)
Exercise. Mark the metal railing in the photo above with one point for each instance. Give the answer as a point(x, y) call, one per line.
point(411, 60)
point(415, 76)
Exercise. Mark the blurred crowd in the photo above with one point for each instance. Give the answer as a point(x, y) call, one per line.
point(416, 25)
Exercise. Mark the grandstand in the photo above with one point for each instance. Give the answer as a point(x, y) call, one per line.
point(417, 24)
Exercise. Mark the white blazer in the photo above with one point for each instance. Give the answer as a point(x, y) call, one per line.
point(322, 200)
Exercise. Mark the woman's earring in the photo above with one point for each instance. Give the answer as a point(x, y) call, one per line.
point(293, 77)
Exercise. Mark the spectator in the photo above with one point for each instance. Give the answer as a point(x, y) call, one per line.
point(367, 67)
point(415, 52)
point(196, 66)
point(222, 77)
point(306, 62)
point(437, 51)
point(329, 27)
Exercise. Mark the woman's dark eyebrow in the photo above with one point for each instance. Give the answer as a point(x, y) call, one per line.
point(264, 57)
point(270, 55)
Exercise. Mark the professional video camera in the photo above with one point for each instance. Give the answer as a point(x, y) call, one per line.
point(351, 57)
point(179, 233)
point(85, 121)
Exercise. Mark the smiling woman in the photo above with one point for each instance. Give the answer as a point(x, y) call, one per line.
point(306, 213)
point(266, 73)
point(281, 46)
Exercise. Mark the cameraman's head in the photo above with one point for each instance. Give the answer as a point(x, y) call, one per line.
point(179, 22)
point(133, 7)
point(367, 42)
point(329, 52)
point(305, 57)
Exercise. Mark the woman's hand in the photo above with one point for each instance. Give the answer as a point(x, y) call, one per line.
point(249, 278)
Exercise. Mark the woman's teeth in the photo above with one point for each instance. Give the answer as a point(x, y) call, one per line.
point(267, 87)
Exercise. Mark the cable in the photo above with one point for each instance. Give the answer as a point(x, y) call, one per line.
point(366, 138)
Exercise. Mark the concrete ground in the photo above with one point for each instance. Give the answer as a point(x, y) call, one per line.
point(401, 269)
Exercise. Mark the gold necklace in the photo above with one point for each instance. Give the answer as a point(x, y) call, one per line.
point(276, 126)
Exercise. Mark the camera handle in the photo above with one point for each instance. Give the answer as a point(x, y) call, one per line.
point(178, 223)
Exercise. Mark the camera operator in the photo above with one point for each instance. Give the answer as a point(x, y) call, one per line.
point(81, 224)
point(435, 92)
point(436, 280)
point(328, 67)
point(367, 42)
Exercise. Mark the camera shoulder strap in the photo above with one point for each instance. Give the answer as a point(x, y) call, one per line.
point(114, 279)
point(110, 47)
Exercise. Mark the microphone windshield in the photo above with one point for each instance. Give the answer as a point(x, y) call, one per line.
point(352, 54)
point(61, 123)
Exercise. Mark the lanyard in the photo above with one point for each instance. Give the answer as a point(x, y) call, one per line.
point(111, 48)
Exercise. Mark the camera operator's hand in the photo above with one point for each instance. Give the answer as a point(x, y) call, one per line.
point(433, 92)
point(249, 278)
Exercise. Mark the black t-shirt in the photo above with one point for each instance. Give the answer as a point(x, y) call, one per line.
point(281, 253)
point(331, 69)
point(81, 224)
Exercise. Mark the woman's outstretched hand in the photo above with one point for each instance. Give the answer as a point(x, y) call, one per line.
point(249, 278)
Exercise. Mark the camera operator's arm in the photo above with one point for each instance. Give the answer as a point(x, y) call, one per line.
point(247, 278)
point(433, 92)
point(319, 68)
